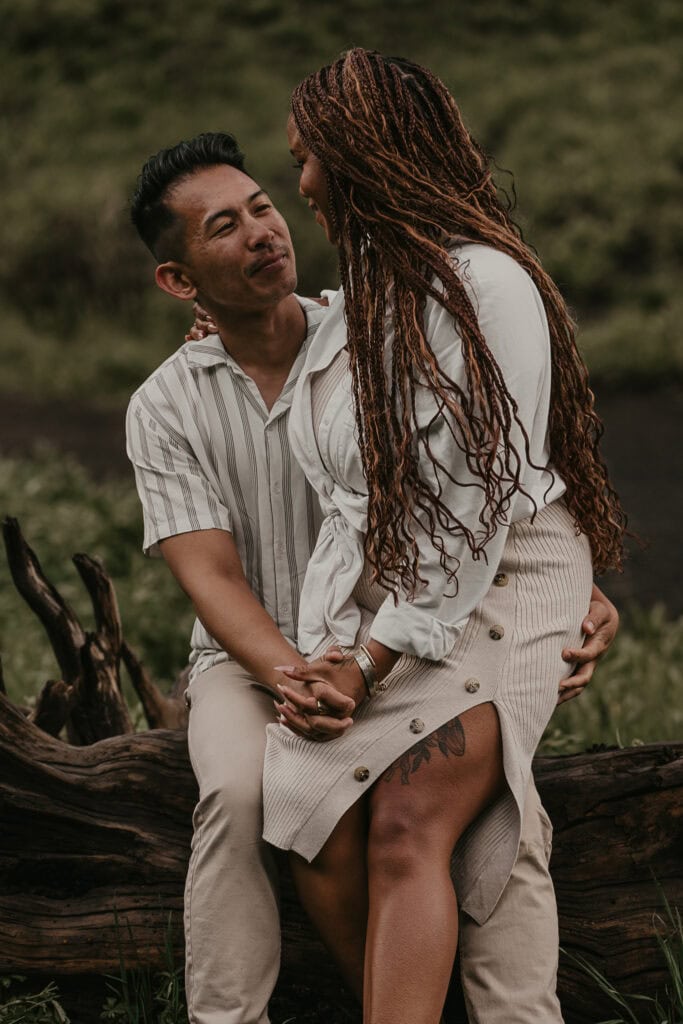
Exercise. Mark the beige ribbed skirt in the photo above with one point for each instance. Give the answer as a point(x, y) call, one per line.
point(509, 653)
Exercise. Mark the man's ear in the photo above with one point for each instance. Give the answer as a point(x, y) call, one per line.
point(172, 277)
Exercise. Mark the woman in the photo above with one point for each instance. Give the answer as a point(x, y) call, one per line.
point(445, 420)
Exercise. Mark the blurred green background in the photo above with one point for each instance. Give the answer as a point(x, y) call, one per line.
point(583, 101)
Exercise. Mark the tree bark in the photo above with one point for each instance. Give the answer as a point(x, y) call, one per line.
point(95, 842)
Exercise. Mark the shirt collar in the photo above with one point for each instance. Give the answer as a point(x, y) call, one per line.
point(210, 351)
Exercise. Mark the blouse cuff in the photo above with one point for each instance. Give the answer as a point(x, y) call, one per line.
point(410, 629)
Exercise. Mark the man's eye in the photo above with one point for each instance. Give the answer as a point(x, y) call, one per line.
point(263, 208)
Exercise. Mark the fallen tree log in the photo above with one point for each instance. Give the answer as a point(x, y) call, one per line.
point(94, 840)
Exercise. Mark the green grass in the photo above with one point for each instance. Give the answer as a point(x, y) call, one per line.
point(636, 696)
point(582, 101)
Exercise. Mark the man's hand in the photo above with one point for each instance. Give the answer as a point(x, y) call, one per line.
point(332, 684)
point(600, 627)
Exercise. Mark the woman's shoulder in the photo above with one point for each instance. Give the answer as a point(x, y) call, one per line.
point(481, 263)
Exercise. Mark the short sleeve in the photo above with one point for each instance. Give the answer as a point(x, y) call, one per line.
point(175, 493)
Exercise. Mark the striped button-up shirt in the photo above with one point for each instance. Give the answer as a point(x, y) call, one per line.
point(208, 454)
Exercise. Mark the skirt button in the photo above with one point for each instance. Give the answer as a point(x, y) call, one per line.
point(500, 580)
point(496, 632)
point(361, 774)
point(472, 685)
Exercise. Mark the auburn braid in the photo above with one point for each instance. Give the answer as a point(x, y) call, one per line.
point(404, 179)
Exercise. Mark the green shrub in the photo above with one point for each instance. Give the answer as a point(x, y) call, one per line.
point(583, 101)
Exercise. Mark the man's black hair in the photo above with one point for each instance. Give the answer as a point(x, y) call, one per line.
point(159, 228)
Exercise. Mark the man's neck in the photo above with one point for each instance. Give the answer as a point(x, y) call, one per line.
point(264, 342)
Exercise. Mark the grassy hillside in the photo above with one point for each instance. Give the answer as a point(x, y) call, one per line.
point(581, 100)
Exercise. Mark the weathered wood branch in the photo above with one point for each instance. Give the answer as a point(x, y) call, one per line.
point(100, 834)
point(161, 712)
point(64, 631)
point(89, 700)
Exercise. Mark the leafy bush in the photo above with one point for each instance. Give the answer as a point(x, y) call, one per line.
point(581, 100)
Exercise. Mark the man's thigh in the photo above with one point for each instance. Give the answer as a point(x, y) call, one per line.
point(227, 730)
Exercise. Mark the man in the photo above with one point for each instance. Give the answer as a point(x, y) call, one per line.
point(233, 516)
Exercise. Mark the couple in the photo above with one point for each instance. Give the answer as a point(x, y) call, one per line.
point(449, 505)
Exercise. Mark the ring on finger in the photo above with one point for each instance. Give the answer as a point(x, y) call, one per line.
point(321, 708)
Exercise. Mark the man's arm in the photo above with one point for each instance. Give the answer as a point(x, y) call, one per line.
point(207, 566)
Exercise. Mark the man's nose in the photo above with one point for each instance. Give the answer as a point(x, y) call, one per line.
point(260, 233)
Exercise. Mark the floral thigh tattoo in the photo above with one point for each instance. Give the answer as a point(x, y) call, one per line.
point(447, 739)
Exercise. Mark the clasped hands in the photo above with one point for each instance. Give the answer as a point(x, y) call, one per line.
point(320, 697)
point(334, 683)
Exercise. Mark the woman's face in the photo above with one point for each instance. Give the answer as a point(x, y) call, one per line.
point(312, 183)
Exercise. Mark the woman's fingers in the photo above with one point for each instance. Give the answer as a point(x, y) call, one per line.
point(203, 324)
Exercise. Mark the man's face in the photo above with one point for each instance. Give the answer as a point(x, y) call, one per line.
point(237, 251)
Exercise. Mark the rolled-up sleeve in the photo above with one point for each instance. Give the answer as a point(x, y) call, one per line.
point(175, 494)
point(512, 319)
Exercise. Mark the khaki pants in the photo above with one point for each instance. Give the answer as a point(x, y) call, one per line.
point(232, 929)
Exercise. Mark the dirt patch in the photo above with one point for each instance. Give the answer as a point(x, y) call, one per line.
point(643, 445)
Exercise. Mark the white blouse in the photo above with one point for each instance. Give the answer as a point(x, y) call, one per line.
point(426, 624)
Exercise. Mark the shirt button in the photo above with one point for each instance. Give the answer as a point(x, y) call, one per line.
point(276, 488)
point(500, 580)
point(417, 725)
point(361, 774)
point(188, 699)
point(496, 632)
point(472, 685)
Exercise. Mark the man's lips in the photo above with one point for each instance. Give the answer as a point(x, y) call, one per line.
point(272, 262)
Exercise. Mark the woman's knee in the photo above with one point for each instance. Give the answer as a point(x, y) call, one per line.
point(402, 838)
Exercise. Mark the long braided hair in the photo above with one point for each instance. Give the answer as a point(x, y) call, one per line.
point(404, 177)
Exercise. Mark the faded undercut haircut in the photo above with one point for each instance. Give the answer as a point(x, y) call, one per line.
point(159, 227)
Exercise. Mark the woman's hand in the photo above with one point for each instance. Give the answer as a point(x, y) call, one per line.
point(320, 699)
point(203, 324)
point(600, 627)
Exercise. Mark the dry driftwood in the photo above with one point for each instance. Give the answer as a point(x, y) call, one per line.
point(94, 836)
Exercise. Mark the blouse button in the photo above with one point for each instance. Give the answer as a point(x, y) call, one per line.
point(500, 580)
point(496, 632)
point(361, 774)
point(417, 725)
point(472, 685)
